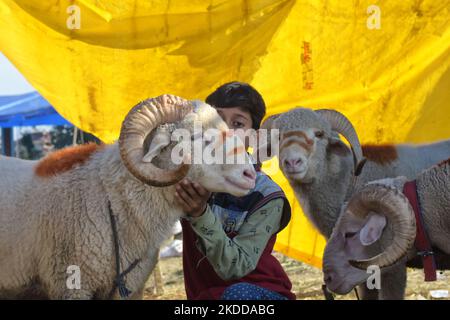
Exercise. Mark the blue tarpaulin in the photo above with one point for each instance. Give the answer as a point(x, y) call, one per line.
point(29, 109)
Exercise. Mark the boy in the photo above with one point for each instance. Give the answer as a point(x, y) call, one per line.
point(228, 241)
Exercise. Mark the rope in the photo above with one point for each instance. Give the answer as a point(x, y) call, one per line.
point(357, 295)
point(327, 294)
point(119, 281)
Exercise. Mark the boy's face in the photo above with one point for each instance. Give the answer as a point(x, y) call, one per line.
point(236, 118)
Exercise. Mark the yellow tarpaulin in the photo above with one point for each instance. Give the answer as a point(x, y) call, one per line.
point(385, 64)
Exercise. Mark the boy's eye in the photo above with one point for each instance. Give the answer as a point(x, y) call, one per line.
point(237, 124)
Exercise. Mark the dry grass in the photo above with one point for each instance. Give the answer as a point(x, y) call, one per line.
point(306, 281)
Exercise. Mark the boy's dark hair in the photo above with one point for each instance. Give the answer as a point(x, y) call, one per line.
point(239, 94)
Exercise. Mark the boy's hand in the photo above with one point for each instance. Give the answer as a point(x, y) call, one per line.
point(192, 197)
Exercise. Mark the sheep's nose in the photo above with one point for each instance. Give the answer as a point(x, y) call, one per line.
point(329, 276)
point(293, 162)
point(250, 174)
point(328, 279)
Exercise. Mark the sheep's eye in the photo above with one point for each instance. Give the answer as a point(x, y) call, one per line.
point(350, 235)
point(196, 136)
point(319, 134)
point(207, 141)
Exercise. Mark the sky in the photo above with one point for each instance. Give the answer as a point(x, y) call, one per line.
point(11, 81)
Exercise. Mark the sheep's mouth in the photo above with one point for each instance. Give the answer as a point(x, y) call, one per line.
point(340, 288)
point(295, 174)
point(242, 185)
point(335, 289)
point(290, 171)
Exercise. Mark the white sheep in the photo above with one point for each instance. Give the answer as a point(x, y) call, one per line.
point(321, 169)
point(378, 228)
point(54, 215)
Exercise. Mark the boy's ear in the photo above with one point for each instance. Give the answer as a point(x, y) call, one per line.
point(373, 229)
point(336, 146)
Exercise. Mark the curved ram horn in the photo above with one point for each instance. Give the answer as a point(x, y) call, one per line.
point(342, 125)
point(139, 122)
point(396, 208)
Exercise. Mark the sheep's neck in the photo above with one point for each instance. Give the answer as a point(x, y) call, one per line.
point(322, 199)
point(149, 219)
point(144, 214)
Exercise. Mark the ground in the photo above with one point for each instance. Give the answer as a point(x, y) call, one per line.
point(306, 281)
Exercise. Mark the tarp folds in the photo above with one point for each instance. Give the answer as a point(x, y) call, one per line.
point(385, 66)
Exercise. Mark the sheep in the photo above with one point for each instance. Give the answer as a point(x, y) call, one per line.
point(378, 227)
point(324, 172)
point(54, 215)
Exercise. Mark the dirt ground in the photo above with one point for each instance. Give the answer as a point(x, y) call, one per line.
point(306, 282)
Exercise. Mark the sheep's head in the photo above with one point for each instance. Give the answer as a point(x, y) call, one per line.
point(306, 139)
point(155, 127)
point(376, 228)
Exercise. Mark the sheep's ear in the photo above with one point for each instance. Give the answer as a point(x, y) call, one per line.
point(337, 147)
point(159, 141)
point(264, 150)
point(373, 229)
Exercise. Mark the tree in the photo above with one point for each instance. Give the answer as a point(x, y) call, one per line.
point(62, 136)
point(29, 150)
